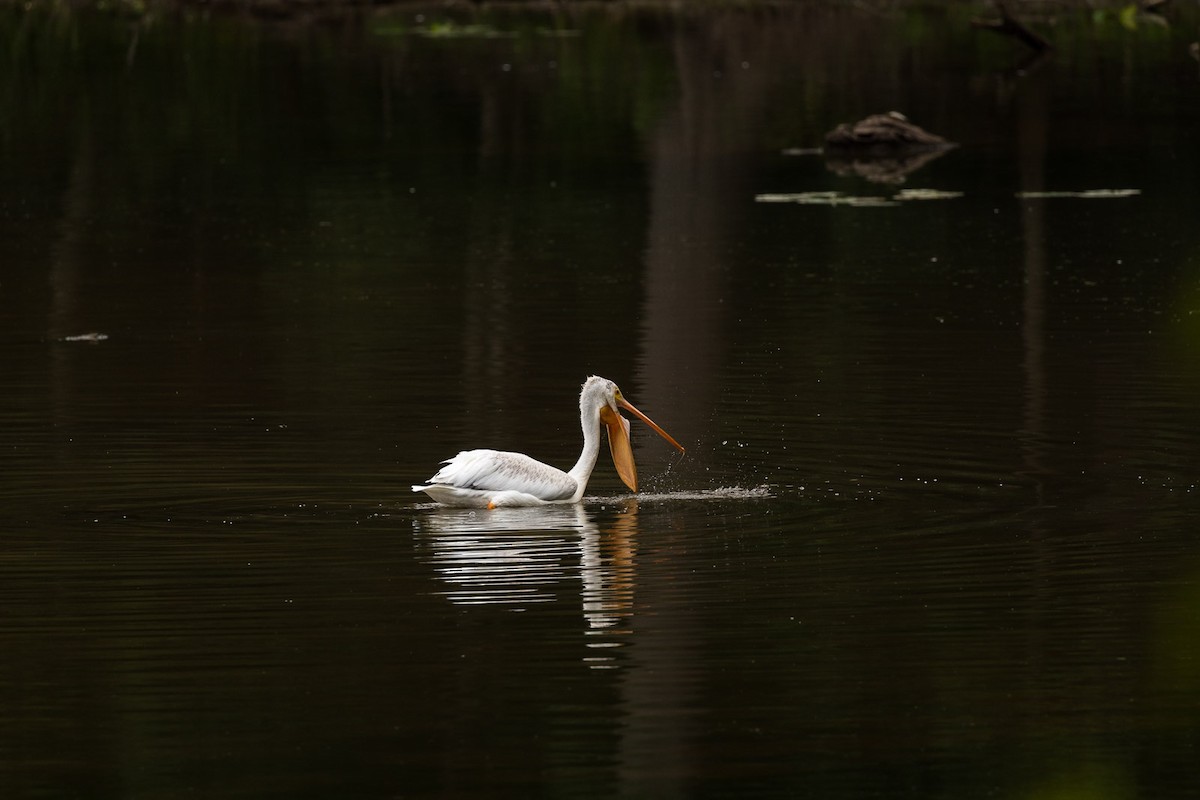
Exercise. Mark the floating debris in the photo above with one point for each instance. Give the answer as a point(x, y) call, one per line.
point(925, 194)
point(825, 199)
point(802, 151)
point(86, 337)
point(453, 30)
point(1087, 194)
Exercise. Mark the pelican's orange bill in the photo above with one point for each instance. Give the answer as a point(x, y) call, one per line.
point(619, 446)
point(628, 406)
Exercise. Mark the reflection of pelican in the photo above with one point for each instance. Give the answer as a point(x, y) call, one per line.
point(521, 558)
point(507, 557)
point(492, 479)
point(607, 570)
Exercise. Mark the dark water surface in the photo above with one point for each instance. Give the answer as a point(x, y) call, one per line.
point(935, 533)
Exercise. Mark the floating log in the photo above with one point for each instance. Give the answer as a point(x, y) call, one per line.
point(885, 133)
point(883, 148)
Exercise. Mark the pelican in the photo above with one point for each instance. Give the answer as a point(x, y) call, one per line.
point(496, 479)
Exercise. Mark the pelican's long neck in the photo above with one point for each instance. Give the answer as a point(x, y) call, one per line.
point(589, 420)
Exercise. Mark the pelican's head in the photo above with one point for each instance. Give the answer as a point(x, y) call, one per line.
point(605, 397)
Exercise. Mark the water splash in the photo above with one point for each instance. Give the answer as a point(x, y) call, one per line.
point(722, 493)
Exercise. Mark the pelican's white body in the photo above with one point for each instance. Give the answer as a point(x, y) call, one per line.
point(496, 479)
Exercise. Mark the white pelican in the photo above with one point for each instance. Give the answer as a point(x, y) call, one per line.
point(494, 479)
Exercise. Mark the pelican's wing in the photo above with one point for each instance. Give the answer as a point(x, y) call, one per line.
point(496, 471)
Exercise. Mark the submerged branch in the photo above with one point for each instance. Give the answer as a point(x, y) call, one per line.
point(1008, 25)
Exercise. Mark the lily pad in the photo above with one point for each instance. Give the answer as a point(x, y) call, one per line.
point(1088, 194)
point(825, 199)
point(926, 194)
